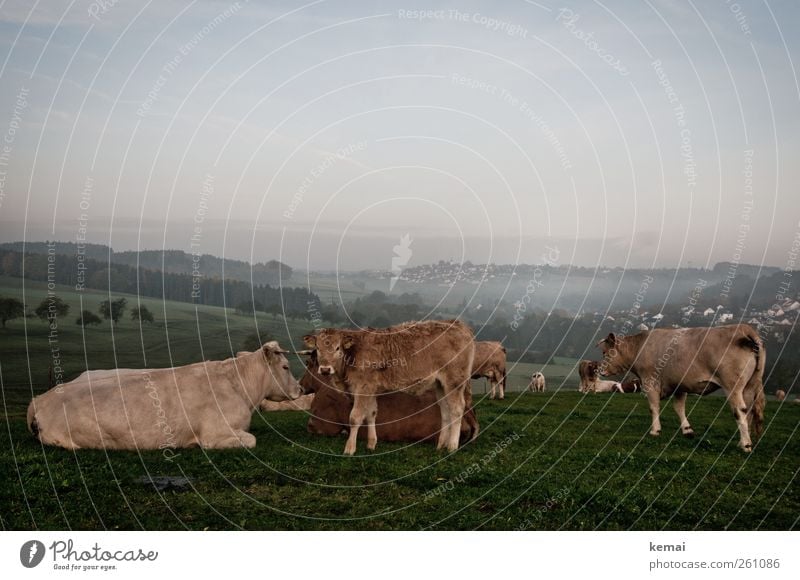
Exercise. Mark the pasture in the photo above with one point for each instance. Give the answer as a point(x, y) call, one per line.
point(182, 333)
point(554, 460)
point(543, 461)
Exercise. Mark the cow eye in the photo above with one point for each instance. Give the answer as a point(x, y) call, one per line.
point(286, 367)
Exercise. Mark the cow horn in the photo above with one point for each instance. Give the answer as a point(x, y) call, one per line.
point(304, 352)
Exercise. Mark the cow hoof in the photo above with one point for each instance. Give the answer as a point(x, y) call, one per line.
point(747, 448)
point(655, 433)
point(689, 434)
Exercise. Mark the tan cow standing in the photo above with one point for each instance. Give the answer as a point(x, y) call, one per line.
point(675, 362)
point(490, 362)
point(537, 384)
point(414, 357)
point(588, 370)
point(209, 404)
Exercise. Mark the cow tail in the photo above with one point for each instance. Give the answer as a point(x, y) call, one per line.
point(33, 424)
point(755, 386)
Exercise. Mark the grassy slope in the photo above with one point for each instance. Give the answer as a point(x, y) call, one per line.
point(591, 454)
point(181, 334)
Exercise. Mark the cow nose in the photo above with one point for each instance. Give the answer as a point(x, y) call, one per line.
point(325, 370)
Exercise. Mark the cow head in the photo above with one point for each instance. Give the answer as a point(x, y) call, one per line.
point(614, 356)
point(334, 350)
point(282, 385)
point(311, 381)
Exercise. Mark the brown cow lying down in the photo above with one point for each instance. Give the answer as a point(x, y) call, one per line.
point(490, 362)
point(401, 417)
point(209, 404)
point(675, 362)
point(632, 386)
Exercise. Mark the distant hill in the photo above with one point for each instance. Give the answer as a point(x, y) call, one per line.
point(169, 261)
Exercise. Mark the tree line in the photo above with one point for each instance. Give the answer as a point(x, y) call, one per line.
point(93, 274)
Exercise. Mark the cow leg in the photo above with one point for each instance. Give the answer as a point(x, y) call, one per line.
point(739, 408)
point(455, 400)
point(237, 440)
point(654, 399)
point(501, 386)
point(679, 404)
point(494, 389)
point(444, 410)
point(491, 389)
point(371, 411)
point(357, 415)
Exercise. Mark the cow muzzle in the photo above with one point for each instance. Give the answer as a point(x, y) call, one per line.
point(325, 370)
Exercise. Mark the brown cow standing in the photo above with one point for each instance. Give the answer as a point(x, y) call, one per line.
point(490, 362)
point(589, 372)
point(675, 362)
point(415, 357)
point(401, 417)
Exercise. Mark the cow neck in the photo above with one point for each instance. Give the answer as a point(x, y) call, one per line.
point(633, 345)
point(253, 389)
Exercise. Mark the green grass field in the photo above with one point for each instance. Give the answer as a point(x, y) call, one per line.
point(182, 333)
point(542, 461)
point(556, 460)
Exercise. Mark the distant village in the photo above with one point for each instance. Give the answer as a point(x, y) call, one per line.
point(776, 319)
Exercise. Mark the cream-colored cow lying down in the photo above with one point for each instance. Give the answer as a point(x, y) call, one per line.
point(600, 386)
point(209, 404)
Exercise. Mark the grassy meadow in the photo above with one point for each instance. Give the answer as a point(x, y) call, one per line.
point(553, 460)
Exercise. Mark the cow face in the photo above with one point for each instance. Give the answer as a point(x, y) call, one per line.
point(333, 350)
point(613, 361)
point(283, 385)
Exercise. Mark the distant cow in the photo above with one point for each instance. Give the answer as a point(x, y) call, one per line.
point(632, 386)
point(588, 370)
point(606, 387)
point(401, 417)
point(780, 394)
point(414, 357)
point(537, 384)
point(490, 362)
point(675, 362)
point(209, 404)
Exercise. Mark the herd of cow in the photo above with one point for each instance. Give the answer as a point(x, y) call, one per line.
point(409, 382)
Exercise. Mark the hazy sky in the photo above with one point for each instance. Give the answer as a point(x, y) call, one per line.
point(624, 133)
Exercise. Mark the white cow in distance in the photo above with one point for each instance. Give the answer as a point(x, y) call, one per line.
point(537, 384)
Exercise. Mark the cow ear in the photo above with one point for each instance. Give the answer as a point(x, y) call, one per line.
point(348, 341)
point(272, 348)
point(611, 338)
point(310, 341)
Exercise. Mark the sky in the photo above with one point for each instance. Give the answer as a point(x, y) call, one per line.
point(637, 134)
